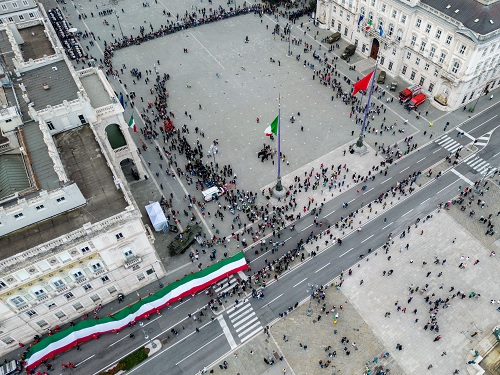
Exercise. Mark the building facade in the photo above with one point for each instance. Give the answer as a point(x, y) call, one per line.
point(450, 48)
point(71, 234)
point(14, 11)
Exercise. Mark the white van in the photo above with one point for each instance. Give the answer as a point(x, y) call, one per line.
point(212, 193)
point(10, 368)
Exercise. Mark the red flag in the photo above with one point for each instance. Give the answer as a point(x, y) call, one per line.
point(362, 84)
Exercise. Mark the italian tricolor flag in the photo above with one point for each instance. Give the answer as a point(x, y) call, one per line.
point(86, 330)
point(131, 123)
point(273, 128)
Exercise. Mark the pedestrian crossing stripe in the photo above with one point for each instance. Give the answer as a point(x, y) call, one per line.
point(448, 143)
point(244, 320)
point(479, 164)
point(482, 141)
point(223, 285)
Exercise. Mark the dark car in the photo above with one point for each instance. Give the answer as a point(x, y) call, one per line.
point(333, 38)
point(184, 239)
point(348, 52)
point(381, 77)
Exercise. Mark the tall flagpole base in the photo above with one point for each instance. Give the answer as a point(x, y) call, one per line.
point(360, 147)
point(278, 190)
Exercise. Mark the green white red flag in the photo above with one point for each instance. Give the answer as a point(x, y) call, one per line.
point(131, 123)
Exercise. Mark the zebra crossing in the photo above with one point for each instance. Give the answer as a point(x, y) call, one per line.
point(448, 143)
point(478, 164)
point(244, 320)
point(226, 285)
point(483, 140)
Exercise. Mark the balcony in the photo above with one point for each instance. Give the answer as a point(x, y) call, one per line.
point(449, 77)
point(132, 261)
point(43, 297)
point(99, 271)
point(61, 289)
point(81, 280)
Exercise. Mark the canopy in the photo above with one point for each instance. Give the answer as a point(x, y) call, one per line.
point(157, 217)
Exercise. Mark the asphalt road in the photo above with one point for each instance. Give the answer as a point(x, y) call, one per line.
point(190, 351)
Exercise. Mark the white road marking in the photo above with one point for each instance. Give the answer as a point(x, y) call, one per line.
point(309, 226)
point(388, 225)
point(300, 282)
point(446, 187)
point(272, 301)
point(425, 201)
point(462, 177)
point(421, 159)
point(404, 169)
point(85, 360)
point(368, 191)
point(346, 252)
point(467, 134)
point(197, 350)
point(201, 44)
point(326, 265)
point(437, 150)
point(386, 180)
point(352, 200)
point(227, 332)
point(482, 123)
point(367, 238)
point(183, 302)
point(407, 212)
point(329, 214)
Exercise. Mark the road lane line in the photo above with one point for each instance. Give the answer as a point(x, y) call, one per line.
point(287, 239)
point(385, 180)
point(388, 225)
point(404, 169)
point(329, 214)
point(368, 191)
point(446, 187)
point(470, 131)
point(496, 154)
point(183, 302)
point(367, 238)
point(407, 213)
point(346, 252)
point(309, 226)
point(462, 176)
point(300, 282)
point(467, 134)
point(85, 360)
point(439, 149)
point(272, 301)
point(260, 256)
point(197, 350)
point(250, 335)
point(421, 159)
point(326, 265)
point(425, 201)
point(227, 332)
point(352, 200)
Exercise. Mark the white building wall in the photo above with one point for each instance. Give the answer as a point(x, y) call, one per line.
point(405, 27)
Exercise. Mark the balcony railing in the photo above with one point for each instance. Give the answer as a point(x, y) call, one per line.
point(132, 261)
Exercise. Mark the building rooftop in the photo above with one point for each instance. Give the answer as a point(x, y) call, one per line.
point(57, 75)
point(95, 90)
point(480, 18)
point(85, 165)
point(36, 44)
point(6, 47)
point(13, 177)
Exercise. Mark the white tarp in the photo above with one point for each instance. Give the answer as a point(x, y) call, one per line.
point(157, 217)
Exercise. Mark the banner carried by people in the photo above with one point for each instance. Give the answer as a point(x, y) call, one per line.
point(86, 330)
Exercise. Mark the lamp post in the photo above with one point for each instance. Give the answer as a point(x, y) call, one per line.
point(478, 96)
point(141, 324)
point(119, 25)
point(290, 41)
point(312, 290)
point(213, 150)
point(160, 284)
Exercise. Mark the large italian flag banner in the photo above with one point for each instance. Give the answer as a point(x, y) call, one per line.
point(91, 329)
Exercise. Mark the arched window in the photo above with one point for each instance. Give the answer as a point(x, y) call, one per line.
point(362, 11)
point(370, 16)
point(18, 301)
point(456, 67)
point(390, 31)
point(399, 35)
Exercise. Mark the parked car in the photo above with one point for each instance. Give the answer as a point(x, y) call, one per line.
point(394, 86)
point(348, 51)
point(333, 38)
point(409, 93)
point(416, 101)
point(381, 77)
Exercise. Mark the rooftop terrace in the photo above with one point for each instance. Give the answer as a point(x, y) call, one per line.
point(36, 44)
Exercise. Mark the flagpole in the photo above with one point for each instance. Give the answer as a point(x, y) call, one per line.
point(359, 144)
point(278, 186)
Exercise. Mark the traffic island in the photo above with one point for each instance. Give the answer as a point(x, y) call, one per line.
point(128, 362)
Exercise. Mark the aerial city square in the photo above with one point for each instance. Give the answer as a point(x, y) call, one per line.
point(250, 187)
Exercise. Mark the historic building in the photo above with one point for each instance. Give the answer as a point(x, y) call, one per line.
point(71, 234)
point(451, 48)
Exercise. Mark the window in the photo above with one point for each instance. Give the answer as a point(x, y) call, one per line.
point(95, 297)
point(413, 40)
point(4, 7)
point(32, 15)
point(86, 287)
point(431, 87)
point(362, 12)
point(119, 236)
point(390, 30)
point(383, 8)
point(42, 323)
point(341, 13)
point(40, 207)
point(394, 14)
point(428, 28)
point(403, 18)
point(39, 293)
point(96, 267)
point(77, 306)
point(15, 5)
point(18, 301)
point(25, 3)
point(394, 51)
point(8, 340)
point(412, 75)
point(2, 284)
point(21, 17)
point(333, 23)
point(82, 119)
point(373, 3)
point(422, 46)
point(58, 284)
point(390, 65)
point(432, 52)
point(462, 49)
point(78, 275)
point(442, 57)
point(50, 125)
point(348, 17)
point(19, 215)
point(69, 295)
point(370, 16)
point(141, 277)
point(105, 279)
point(399, 35)
point(334, 9)
point(10, 19)
point(408, 55)
point(51, 305)
point(422, 80)
point(380, 23)
point(418, 23)
point(59, 200)
point(60, 315)
point(403, 71)
point(85, 249)
point(31, 313)
point(339, 27)
point(112, 290)
point(382, 60)
point(417, 61)
point(448, 39)
point(436, 73)
point(426, 66)
point(438, 34)
point(128, 254)
point(456, 67)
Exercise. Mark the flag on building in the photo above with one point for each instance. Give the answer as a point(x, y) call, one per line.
point(131, 123)
point(380, 31)
point(368, 25)
point(121, 100)
point(273, 128)
point(363, 83)
point(360, 19)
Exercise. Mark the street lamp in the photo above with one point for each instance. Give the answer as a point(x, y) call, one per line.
point(312, 291)
point(141, 324)
point(213, 150)
point(160, 284)
point(119, 25)
point(289, 41)
point(478, 96)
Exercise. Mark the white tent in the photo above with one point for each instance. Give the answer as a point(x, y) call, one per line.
point(157, 217)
